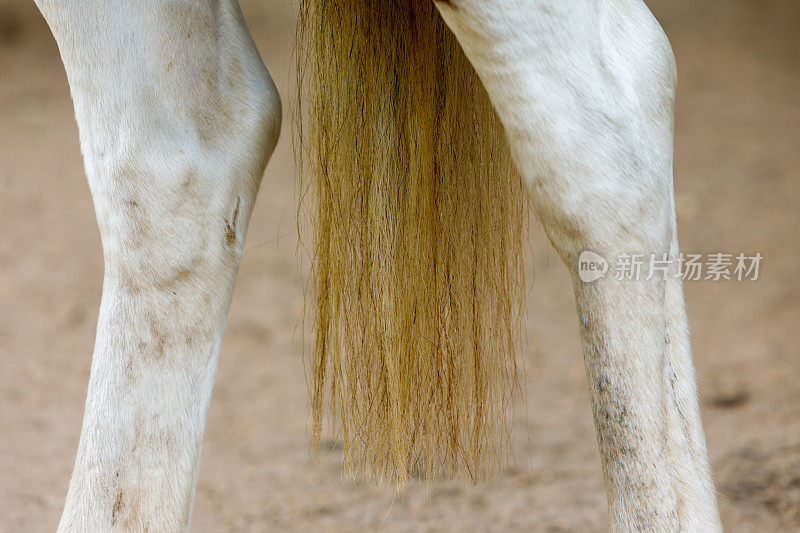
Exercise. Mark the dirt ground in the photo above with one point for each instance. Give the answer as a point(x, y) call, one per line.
point(738, 189)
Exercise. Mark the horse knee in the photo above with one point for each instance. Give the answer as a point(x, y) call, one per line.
point(625, 206)
point(178, 196)
point(586, 99)
point(174, 205)
point(176, 128)
point(604, 181)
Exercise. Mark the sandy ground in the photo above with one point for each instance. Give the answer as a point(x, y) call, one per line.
point(738, 153)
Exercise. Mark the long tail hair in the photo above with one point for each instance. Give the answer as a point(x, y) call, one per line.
point(418, 219)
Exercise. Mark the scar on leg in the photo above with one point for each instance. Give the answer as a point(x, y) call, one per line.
point(230, 227)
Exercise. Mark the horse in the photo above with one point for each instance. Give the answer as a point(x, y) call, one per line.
point(429, 129)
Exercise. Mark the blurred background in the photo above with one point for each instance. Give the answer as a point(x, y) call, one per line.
point(738, 190)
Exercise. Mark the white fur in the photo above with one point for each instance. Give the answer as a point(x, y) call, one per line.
point(585, 90)
point(177, 119)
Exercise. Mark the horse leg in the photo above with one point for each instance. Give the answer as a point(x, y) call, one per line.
point(177, 118)
point(688, 443)
point(585, 92)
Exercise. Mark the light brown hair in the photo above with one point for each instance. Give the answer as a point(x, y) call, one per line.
point(418, 218)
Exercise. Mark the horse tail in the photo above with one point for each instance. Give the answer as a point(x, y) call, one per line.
point(418, 218)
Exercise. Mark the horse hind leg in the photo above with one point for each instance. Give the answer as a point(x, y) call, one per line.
point(585, 93)
point(177, 117)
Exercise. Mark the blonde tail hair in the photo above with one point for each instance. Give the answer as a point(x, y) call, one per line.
point(418, 219)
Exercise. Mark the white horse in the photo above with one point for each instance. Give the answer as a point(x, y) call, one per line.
point(178, 117)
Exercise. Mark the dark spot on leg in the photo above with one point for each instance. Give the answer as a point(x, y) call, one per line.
point(117, 507)
point(129, 376)
point(181, 277)
point(188, 181)
point(159, 338)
